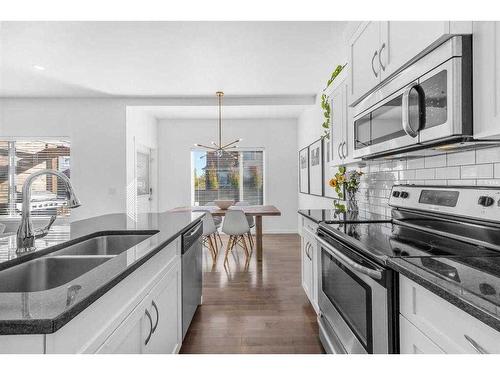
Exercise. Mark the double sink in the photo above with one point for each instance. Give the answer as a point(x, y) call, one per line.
point(61, 266)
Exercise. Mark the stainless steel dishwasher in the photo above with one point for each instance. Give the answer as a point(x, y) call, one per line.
point(192, 274)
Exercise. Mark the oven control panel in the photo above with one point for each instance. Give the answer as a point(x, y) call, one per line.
point(475, 202)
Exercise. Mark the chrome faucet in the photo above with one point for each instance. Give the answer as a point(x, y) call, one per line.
point(26, 235)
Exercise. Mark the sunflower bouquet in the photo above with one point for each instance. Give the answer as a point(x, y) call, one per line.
point(345, 182)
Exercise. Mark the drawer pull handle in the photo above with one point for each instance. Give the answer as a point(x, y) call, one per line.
point(157, 316)
point(478, 348)
point(150, 327)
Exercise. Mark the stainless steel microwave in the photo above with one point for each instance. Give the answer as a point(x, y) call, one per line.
point(427, 103)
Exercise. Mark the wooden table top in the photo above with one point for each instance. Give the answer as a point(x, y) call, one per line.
point(267, 210)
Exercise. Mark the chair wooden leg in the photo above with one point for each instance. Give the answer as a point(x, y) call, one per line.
point(230, 244)
point(247, 253)
point(220, 239)
point(216, 246)
point(250, 239)
point(212, 249)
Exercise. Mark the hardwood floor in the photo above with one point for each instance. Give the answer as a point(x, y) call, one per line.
point(262, 309)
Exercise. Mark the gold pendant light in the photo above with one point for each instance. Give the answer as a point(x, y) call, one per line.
point(219, 148)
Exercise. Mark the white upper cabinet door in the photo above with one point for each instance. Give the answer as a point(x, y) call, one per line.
point(486, 61)
point(337, 124)
point(401, 41)
point(365, 67)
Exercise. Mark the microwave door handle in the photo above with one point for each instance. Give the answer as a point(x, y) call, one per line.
point(344, 259)
point(406, 111)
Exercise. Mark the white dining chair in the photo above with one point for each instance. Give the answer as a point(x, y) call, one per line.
point(236, 226)
point(2, 228)
point(209, 236)
point(217, 221)
point(251, 222)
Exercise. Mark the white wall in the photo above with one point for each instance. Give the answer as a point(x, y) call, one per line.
point(309, 130)
point(141, 131)
point(96, 128)
point(277, 136)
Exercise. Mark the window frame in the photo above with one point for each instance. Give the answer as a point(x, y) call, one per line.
point(35, 138)
point(239, 149)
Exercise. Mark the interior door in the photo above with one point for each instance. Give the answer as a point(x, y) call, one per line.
point(146, 179)
point(365, 67)
point(403, 40)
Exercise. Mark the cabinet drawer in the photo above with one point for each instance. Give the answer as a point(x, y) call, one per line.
point(446, 325)
point(309, 225)
point(413, 341)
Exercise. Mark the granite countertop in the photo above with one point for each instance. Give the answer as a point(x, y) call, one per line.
point(470, 283)
point(46, 311)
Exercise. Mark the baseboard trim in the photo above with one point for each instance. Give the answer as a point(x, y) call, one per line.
point(281, 231)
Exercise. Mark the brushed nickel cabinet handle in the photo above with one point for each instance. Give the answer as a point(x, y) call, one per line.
point(373, 58)
point(380, 56)
point(157, 316)
point(150, 327)
point(478, 348)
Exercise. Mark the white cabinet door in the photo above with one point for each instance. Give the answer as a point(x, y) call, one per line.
point(306, 262)
point(130, 336)
point(165, 298)
point(337, 123)
point(365, 68)
point(486, 42)
point(401, 41)
point(413, 341)
point(309, 267)
point(340, 132)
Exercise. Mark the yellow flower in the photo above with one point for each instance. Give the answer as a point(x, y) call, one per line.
point(333, 182)
point(341, 178)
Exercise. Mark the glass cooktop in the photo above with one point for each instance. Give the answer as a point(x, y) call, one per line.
point(380, 241)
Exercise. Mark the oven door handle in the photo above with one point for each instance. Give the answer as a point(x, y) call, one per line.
point(345, 260)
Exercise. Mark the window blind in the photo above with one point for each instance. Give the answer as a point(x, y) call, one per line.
point(21, 158)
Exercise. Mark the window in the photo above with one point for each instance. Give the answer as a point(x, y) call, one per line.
point(237, 175)
point(19, 159)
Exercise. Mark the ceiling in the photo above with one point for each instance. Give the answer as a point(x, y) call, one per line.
point(166, 59)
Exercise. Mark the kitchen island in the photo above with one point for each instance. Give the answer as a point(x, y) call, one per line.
point(83, 314)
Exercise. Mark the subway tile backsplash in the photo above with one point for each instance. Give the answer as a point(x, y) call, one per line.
point(468, 168)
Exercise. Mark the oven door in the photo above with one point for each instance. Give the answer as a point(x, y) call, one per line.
point(353, 302)
point(392, 124)
point(442, 97)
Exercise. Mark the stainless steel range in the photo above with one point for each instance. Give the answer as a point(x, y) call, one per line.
point(447, 229)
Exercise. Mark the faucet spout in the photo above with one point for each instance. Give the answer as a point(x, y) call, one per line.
point(26, 235)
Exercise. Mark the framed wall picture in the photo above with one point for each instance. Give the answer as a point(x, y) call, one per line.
point(328, 191)
point(304, 170)
point(316, 168)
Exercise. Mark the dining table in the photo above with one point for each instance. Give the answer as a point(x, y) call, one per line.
point(257, 211)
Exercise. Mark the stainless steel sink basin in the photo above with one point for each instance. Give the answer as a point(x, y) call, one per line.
point(103, 245)
point(46, 273)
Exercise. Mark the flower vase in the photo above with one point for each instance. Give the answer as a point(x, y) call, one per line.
point(352, 204)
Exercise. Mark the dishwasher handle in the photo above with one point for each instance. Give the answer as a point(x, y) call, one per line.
point(191, 236)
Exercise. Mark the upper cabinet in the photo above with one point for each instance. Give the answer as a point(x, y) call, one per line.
point(486, 80)
point(340, 133)
point(365, 67)
point(379, 49)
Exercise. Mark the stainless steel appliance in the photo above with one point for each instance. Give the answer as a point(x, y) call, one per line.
point(192, 274)
point(428, 103)
point(448, 231)
point(354, 292)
